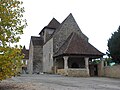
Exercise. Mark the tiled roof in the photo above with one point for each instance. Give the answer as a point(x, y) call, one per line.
point(75, 45)
point(53, 24)
point(68, 26)
point(25, 52)
point(70, 23)
point(37, 40)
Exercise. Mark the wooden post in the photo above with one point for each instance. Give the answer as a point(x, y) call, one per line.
point(87, 65)
point(65, 64)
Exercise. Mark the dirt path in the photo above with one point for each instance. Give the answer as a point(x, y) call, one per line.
point(56, 82)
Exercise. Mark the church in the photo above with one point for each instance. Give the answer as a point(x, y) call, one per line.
point(62, 48)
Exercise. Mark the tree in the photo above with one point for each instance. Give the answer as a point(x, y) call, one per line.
point(114, 46)
point(11, 27)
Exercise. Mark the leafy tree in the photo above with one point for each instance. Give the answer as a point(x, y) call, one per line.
point(114, 46)
point(11, 27)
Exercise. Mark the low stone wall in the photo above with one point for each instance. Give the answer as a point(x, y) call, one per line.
point(61, 72)
point(77, 72)
point(73, 72)
point(112, 71)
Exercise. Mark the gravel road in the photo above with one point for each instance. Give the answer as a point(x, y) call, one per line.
point(57, 82)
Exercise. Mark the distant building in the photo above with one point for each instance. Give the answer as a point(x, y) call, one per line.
point(25, 60)
point(62, 48)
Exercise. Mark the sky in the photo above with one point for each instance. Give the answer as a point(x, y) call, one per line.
point(97, 19)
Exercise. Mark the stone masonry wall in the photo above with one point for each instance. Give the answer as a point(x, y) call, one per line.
point(48, 56)
point(73, 72)
point(108, 71)
point(112, 71)
point(30, 61)
point(77, 73)
point(38, 59)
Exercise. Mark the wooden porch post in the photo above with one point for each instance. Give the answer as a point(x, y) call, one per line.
point(55, 67)
point(87, 65)
point(65, 64)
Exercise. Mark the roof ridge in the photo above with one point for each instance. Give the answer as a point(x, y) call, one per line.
point(72, 34)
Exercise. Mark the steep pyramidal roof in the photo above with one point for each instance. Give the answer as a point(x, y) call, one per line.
point(69, 25)
point(37, 41)
point(53, 24)
point(75, 45)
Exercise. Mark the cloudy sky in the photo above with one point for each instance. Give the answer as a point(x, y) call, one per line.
point(96, 18)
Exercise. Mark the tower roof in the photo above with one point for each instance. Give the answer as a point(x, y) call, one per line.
point(69, 24)
point(36, 40)
point(53, 24)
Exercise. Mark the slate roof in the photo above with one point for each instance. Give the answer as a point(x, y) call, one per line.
point(25, 52)
point(67, 24)
point(37, 41)
point(53, 24)
point(75, 45)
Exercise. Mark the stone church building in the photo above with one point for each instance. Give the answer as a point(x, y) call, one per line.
point(62, 48)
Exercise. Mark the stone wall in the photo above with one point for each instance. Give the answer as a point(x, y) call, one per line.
point(30, 61)
point(101, 69)
point(108, 71)
point(61, 72)
point(48, 56)
point(37, 59)
point(77, 72)
point(73, 72)
point(112, 71)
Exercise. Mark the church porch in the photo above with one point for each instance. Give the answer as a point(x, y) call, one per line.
point(72, 66)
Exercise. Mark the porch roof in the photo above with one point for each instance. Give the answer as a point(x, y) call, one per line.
point(75, 45)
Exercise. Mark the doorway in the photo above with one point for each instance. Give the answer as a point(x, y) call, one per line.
point(93, 70)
